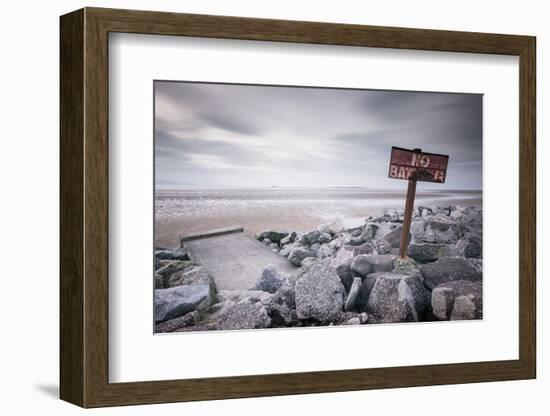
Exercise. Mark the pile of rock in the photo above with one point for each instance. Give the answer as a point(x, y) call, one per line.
point(346, 276)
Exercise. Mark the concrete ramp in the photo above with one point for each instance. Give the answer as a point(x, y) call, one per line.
point(234, 259)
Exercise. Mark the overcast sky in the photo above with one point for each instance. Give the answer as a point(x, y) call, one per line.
point(222, 135)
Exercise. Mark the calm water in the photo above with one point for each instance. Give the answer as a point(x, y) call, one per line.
point(183, 211)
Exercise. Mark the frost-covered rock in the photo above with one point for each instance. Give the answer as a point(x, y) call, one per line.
point(298, 254)
point(397, 298)
point(448, 269)
point(319, 293)
point(270, 280)
point(177, 301)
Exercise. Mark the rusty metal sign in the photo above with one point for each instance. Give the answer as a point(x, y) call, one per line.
point(409, 164)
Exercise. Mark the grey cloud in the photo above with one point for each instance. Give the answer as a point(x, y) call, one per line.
point(300, 135)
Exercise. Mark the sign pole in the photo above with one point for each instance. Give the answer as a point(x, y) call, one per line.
point(407, 217)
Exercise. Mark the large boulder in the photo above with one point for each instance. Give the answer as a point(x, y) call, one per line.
point(243, 315)
point(298, 254)
point(361, 265)
point(394, 236)
point(270, 280)
point(397, 298)
point(460, 299)
point(437, 229)
point(177, 301)
point(282, 307)
point(427, 252)
point(319, 293)
point(273, 236)
point(448, 269)
point(372, 263)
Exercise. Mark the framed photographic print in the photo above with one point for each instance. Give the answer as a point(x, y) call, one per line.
point(255, 207)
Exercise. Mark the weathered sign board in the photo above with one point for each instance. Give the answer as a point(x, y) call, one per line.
point(408, 164)
point(415, 165)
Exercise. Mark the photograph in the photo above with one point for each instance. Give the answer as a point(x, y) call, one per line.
point(288, 206)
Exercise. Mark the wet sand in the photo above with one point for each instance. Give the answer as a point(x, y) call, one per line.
point(256, 212)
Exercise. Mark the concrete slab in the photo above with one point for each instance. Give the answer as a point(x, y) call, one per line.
point(235, 260)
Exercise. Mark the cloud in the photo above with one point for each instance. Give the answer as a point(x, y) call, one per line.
point(242, 135)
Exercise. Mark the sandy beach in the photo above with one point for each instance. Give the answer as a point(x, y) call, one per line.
point(180, 212)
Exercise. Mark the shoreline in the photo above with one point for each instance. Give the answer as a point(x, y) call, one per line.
point(168, 229)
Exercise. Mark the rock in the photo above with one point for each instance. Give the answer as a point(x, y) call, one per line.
point(477, 263)
point(308, 261)
point(354, 291)
point(342, 264)
point(369, 232)
point(444, 210)
point(180, 254)
point(437, 230)
point(381, 263)
point(383, 247)
point(371, 263)
point(274, 247)
point(365, 248)
point(289, 239)
point(448, 269)
point(361, 265)
point(364, 291)
point(282, 307)
point(315, 236)
point(244, 315)
point(407, 266)
point(193, 274)
point(298, 254)
point(158, 264)
point(172, 267)
point(324, 251)
point(397, 298)
point(177, 301)
point(164, 254)
point(159, 281)
point(427, 252)
point(473, 244)
point(445, 295)
point(270, 280)
point(394, 237)
point(235, 296)
point(177, 323)
point(267, 242)
point(319, 293)
point(285, 251)
point(466, 307)
point(343, 270)
point(328, 229)
point(274, 236)
point(351, 318)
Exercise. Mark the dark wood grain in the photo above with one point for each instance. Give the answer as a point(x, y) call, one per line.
point(84, 207)
point(71, 100)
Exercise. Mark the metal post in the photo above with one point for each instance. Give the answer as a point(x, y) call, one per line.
point(407, 217)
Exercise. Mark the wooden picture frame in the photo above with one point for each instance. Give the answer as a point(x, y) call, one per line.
point(84, 207)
